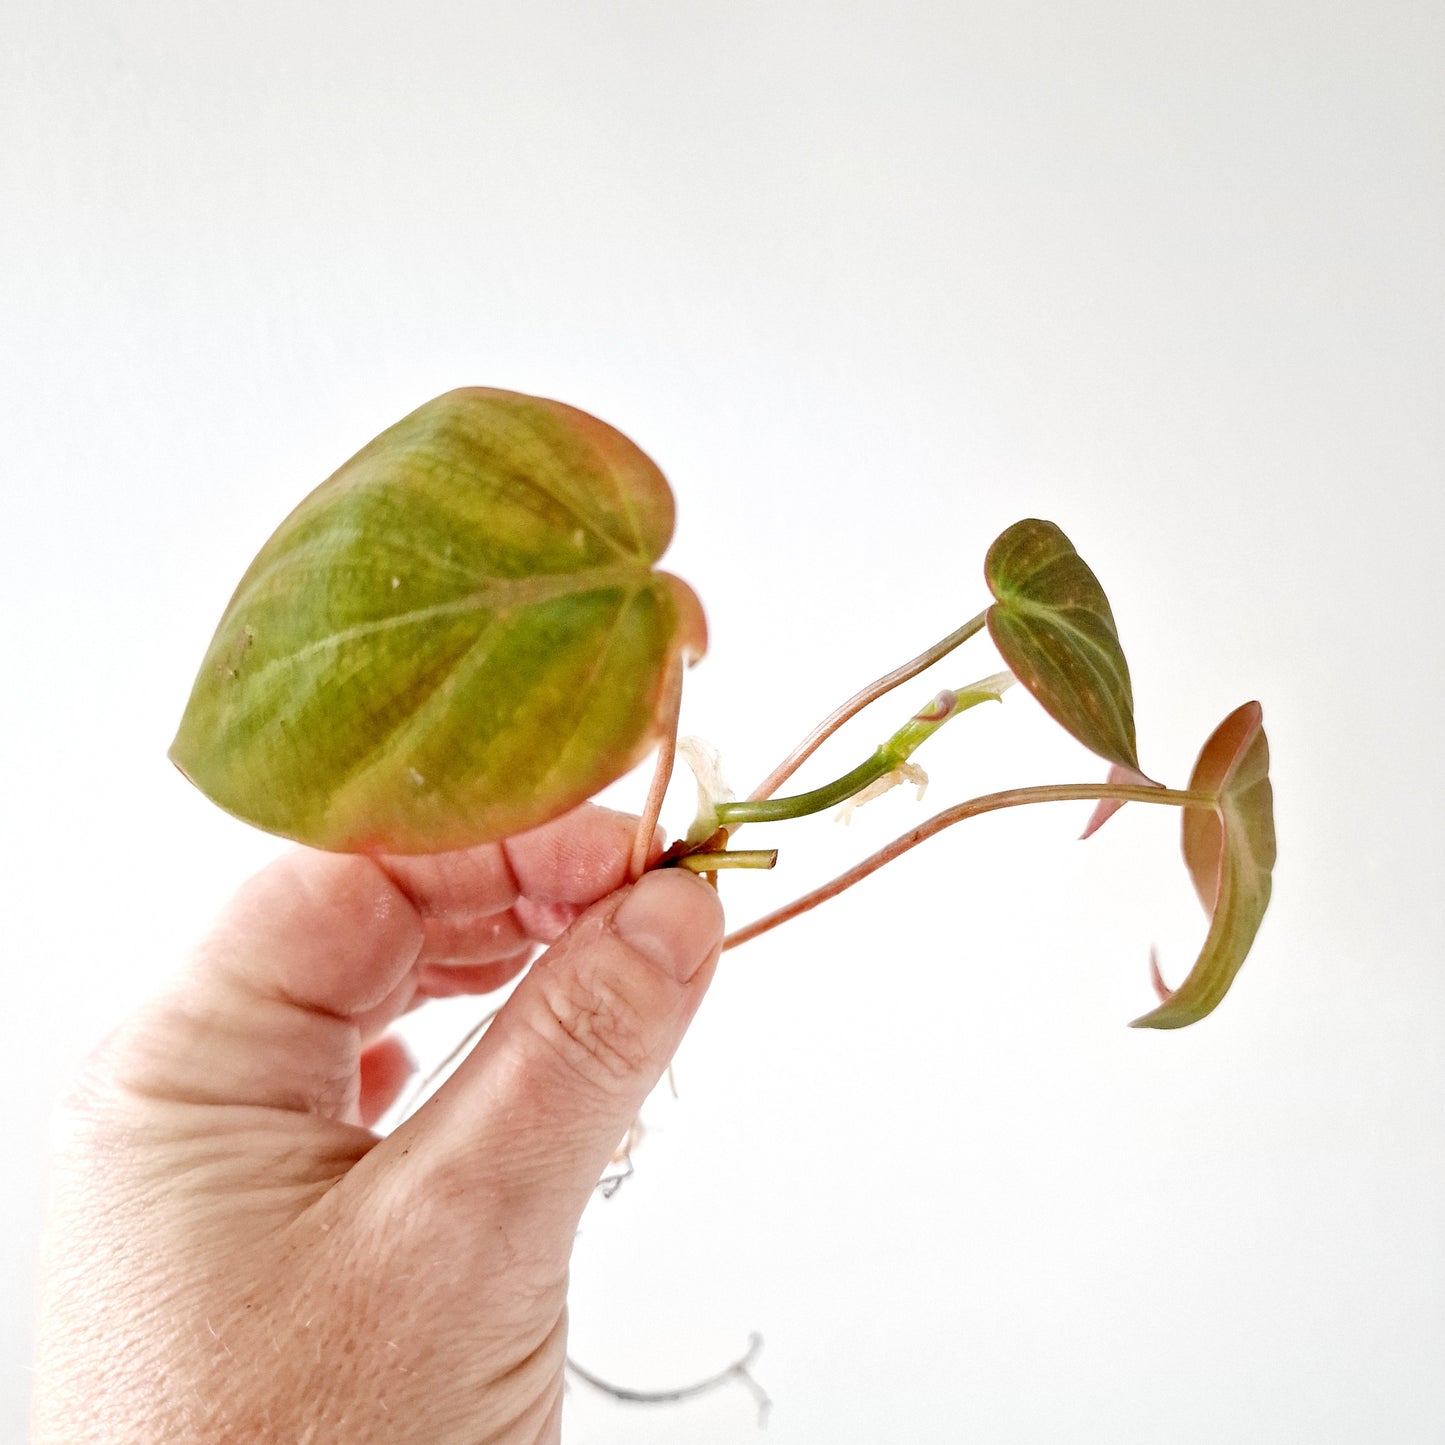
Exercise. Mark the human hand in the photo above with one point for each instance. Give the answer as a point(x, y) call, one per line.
point(232, 1255)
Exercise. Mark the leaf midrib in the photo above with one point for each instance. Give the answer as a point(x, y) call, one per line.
point(1087, 649)
point(491, 598)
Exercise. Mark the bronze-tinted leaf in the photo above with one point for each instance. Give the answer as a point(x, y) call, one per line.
point(1053, 625)
point(1230, 853)
point(457, 636)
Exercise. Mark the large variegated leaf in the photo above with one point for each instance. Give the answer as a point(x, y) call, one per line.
point(457, 636)
point(1230, 853)
point(1053, 625)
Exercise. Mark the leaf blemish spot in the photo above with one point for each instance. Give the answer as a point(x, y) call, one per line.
point(228, 666)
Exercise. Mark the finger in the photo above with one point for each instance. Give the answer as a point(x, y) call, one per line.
point(321, 950)
point(449, 980)
point(472, 937)
point(482, 905)
point(271, 1009)
point(533, 1115)
point(545, 922)
point(386, 1069)
point(577, 858)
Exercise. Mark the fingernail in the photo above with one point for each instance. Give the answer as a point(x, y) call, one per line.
point(673, 919)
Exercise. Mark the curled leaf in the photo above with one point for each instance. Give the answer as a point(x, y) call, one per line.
point(1053, 625)
point(1230, 853)
point(706, 764)
point(456, 637)
point(986, 689)
point(1162, 991)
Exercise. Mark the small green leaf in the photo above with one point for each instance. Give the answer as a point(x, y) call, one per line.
point(1054, 628)
point(1230, 853)
point(456, 637)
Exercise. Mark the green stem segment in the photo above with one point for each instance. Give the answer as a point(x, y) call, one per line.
point(859, 701)
point(892, 754)
point(730, 858)
point(830, 795)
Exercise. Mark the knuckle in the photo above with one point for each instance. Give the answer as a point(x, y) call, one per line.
point(598, 1031)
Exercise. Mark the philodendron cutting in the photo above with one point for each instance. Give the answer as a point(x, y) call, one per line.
point(462, 634)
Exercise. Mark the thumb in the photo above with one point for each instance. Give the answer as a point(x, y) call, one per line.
point(532, 1117)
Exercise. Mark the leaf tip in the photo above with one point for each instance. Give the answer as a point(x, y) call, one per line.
point(1107, 807)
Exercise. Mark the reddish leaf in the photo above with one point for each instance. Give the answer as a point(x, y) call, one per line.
point(1230, 853)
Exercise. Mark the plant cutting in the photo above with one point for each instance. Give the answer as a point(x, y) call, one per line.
point(463, 633)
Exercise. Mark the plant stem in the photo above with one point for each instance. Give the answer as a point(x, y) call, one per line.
point(989, 803)
point(857, 703)
point(772, 810)
point(886, 758)
point(661, 773)
point(734, 858)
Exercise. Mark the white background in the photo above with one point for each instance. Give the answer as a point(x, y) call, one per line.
point(869, 282)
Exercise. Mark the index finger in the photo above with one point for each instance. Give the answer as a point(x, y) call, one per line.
point(573, 860)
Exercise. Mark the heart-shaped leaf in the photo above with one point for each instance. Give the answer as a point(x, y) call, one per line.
point(457, 636)
point(1230, 853)
point(1054, 628)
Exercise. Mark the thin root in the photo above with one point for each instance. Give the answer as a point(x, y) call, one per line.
point(739, 1370)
